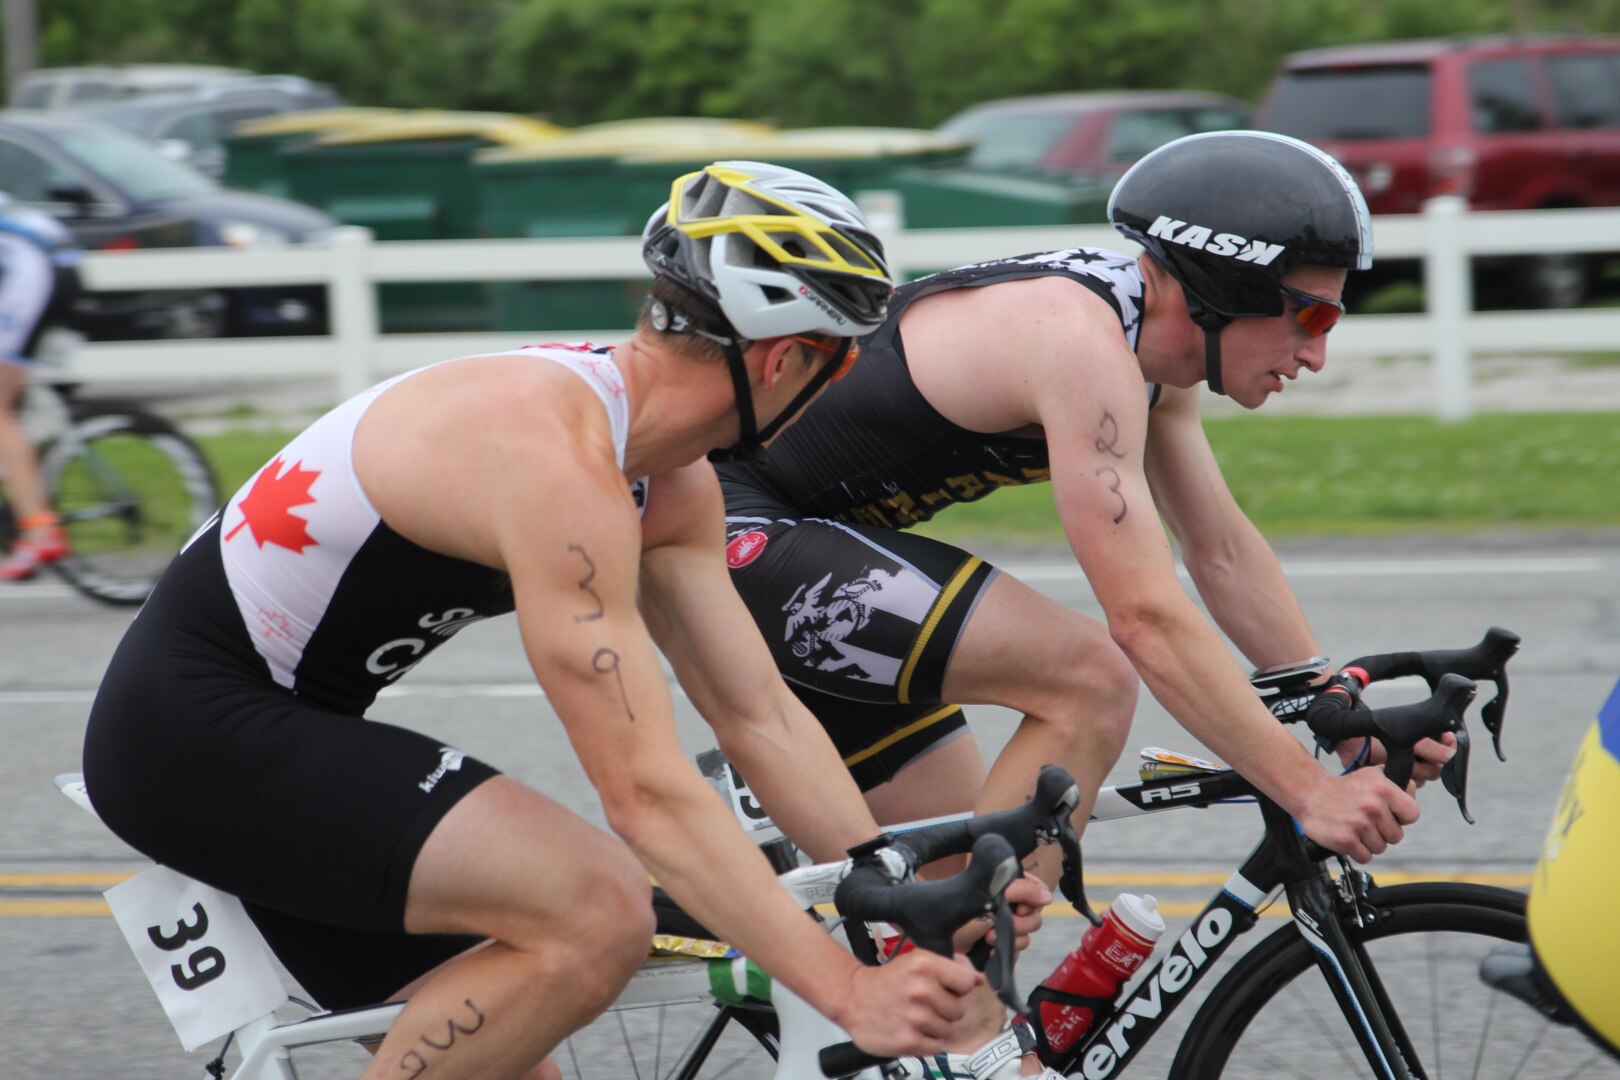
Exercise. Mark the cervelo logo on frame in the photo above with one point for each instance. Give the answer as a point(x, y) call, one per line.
point(1203, 238)
point(1153, 997)
point(745, 548)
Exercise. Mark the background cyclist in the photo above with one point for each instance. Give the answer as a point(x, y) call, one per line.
point(1567, 967)
point(1032, 369)
point(228, 739)
point(36, 279)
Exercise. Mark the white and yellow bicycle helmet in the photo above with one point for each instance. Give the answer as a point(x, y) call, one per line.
point(772, 250)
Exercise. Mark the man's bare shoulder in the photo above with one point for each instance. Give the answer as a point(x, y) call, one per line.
point(984, 355)
point(453, 450)
point(682, 504)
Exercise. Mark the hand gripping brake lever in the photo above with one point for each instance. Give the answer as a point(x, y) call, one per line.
point(1402, 726)
point(1337, 714)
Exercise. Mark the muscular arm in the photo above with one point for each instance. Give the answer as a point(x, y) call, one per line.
point(1233, 567)
point(574, 578)
point(1094, 410)
point(705, 631)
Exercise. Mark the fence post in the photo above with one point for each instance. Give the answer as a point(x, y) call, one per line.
point(1447, 286)
point(352, 307)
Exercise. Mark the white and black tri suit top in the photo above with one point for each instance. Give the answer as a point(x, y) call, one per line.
point(328, 599)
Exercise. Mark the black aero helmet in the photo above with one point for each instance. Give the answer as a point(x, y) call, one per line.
point(1228, 213)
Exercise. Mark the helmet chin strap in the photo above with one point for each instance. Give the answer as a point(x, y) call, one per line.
point(749, 440)
point(1212, 325)
point(1212, 360)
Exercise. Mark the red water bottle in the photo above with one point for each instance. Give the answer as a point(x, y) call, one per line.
point(1104, 960)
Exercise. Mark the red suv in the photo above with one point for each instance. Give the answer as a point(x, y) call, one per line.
point(1518, 122)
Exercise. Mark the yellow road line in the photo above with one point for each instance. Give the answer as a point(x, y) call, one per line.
point(54, 907)
point(1147, 880)
point(14, 881)
point(1169, 879)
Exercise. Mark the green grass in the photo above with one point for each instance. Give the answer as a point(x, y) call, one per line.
point(1321, 475)
point(1314, 475)
point(237, 455)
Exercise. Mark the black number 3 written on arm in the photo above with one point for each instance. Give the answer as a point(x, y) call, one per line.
point(1112, 474)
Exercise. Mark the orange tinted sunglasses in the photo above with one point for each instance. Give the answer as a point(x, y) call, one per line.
point(851, 354)
point(1316, 314)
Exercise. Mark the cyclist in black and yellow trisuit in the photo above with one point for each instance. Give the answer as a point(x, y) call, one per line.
point(1567, 969)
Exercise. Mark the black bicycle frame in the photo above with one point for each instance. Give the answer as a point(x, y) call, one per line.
point(1283, 860)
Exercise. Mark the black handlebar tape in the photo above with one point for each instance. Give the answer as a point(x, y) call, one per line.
point(842, 1059)
point(1055, 794)
point(1485, 660)
point(928, 911)
point(1335, 716)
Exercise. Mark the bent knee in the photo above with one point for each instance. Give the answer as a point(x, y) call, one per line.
point(1097, 686)
point(618, 913)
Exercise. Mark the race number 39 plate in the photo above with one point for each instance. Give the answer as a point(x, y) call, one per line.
point(202, 954)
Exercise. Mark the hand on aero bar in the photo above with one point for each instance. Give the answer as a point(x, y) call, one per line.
point(1431, 755)
point(907, 1006)
point(1359, 814)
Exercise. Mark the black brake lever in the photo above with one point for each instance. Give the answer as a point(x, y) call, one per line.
point(999, 973)
point(1072, 881)
point(1486, 661)
point(1454, 773)
point(1494, 712)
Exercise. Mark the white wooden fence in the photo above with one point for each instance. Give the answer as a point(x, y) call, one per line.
point(351, 264)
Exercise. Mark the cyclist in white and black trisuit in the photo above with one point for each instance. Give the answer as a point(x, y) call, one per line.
point(229, 738)
point(38, 280)
point(1080, 368)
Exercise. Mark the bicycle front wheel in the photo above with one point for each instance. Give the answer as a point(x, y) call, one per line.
point(1273, 1014)
point(130, 489)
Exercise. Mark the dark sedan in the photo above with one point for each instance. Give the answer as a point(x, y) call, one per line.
point(1097, 133)
point(116, 191)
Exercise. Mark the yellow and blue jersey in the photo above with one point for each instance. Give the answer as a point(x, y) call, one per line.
point(1572, 900)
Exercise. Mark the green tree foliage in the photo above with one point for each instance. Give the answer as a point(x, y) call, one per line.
point(810, 62)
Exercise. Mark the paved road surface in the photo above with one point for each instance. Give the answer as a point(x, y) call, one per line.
point(73, 1004)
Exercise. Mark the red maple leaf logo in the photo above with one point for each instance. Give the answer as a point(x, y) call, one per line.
point(266, 509)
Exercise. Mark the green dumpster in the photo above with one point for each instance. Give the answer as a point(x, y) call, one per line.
point(962, 198)
point(253, 151)
point(573, 186)
point(852, 159)
point(411, 177)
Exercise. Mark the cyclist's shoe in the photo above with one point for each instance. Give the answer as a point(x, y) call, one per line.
point(999, 1059)
point(27, 556)
point(1512, 968)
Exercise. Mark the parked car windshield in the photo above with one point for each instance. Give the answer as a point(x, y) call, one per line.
point(133, 164)
point(136, 116)
point(1387, 102)
point(1009, 140)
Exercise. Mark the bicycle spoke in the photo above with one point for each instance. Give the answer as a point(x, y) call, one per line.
point(1484, 1033)
point(1331, 1034)
point(1433, 952)
point(1528, 1051)
point(629, 1048)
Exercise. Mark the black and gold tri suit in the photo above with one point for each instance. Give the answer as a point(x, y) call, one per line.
point(861, 616)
